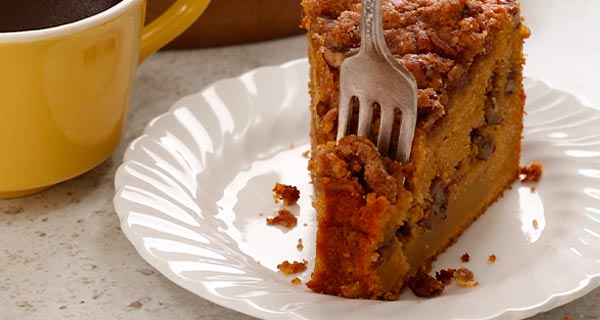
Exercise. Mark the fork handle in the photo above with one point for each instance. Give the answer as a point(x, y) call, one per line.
point(372, 27)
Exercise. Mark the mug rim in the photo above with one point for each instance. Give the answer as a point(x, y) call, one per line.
point(68, 28)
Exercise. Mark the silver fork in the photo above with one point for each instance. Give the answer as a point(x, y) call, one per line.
point(374, 76)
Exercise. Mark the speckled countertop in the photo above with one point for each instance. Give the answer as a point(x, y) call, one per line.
point(63, 256)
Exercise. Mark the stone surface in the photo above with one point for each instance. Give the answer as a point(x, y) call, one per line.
point(63, 256)
point(62, 253)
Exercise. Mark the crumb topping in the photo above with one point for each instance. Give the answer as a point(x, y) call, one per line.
point(492, 258)
point(283, 218)
point(362, 158)
point(436, 41)
point(289, 194)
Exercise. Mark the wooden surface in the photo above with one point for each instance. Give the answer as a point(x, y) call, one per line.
point(228, 22)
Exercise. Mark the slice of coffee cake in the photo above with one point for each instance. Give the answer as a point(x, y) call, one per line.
point(379, 221)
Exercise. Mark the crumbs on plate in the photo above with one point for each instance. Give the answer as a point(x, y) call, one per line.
point(283, 218)
point(288, 194)
point(445, 276)
point(465, 278)
point(465, 257)
point(533, 173)
point(300, 246)
point(289, 268)
point(425, 286)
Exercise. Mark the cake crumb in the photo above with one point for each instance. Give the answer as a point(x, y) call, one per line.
point(260, 214)
point(465, 278)
point(283, 218)
point(533, 173)
point(535, 224)
point(300, 246)
point(425, 286)
point(296, 280)
point(306, 154)
point(567, 317)
point(492, 258)
point(292, 145)
point(289, 194)
point(445, 276)
point(465, 257)
point(289, 268)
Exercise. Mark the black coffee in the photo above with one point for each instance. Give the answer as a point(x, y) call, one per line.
point(21, 15)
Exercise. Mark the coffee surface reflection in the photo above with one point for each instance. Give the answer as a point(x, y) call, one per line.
point(22, 15)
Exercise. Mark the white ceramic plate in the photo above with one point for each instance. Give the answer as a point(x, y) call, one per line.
point(192, 189)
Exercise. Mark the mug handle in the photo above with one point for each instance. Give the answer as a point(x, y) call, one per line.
point(180, 16)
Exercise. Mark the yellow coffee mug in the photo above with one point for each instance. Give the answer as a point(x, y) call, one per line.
point(65, 90)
